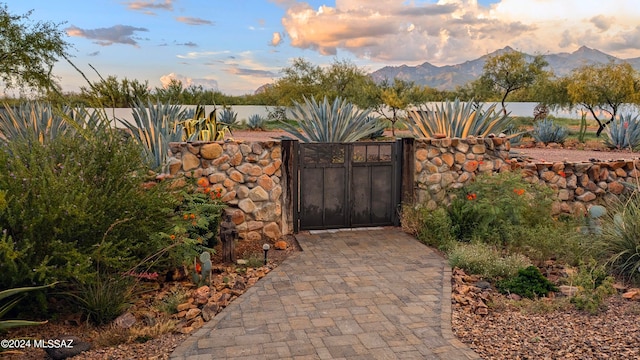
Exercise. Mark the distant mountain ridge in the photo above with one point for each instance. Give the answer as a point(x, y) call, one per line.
point(448, 77)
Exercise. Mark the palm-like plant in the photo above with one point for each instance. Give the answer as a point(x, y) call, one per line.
point(201, 127)
point(457, 119)
point(324, 122)
point(624, 133)
point(155, 127)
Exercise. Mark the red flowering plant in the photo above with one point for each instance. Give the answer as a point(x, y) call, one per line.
point(488, 206)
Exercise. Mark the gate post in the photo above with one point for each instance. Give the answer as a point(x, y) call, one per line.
point(289, 154)
point(407, 192)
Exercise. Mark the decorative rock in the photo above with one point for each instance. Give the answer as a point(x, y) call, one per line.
point(567, 290)
point(247, 205)
point(586, 197)
point(190, 162)
point(192, 313)
point(616, 188)
point(272, 231)
point(75, 347)
point(258, 194)
point(210, 151)
point(125, 320)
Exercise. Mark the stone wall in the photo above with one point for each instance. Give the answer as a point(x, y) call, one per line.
point(248, 175)
point(442, 164)
point(581, 184)
point(253, 184)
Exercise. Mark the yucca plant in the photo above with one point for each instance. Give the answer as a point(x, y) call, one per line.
point(256, 122)
point(546, 131)
point(155, 127)
point(324, 122)
point(624, 133)
point(457, 119)
point(17, 294)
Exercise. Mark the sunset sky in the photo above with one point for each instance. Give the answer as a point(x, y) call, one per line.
point(235, 46)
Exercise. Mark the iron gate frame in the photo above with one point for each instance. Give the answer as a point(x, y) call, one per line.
point(395, 164)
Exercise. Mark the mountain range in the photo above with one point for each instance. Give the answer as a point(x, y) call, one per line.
point(449, 77)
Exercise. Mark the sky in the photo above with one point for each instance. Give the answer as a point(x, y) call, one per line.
point(236, 46)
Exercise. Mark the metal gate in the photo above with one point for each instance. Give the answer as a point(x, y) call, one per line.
point(347, 185)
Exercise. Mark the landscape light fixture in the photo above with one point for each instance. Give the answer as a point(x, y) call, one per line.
point(266, 248)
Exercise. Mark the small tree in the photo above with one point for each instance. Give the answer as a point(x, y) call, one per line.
point(601, 89)
point(28, 51)
point(395, 98)
point(511, 71)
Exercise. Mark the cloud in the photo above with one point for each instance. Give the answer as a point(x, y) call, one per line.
point(451, 31)
point(147, 6)
point(193, 21)
point(188, 44)
point(276, 39)
point(95, 53)
point(203, 54)
point(250, 72)
point(118, 34)
point(207, 84)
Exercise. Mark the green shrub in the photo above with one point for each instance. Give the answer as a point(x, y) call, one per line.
point(73, 203)
point(529, 283)
point(545, 131)
point(556, 240)
point(484, 260)
point(432, 227)
point(490, 207)
point(15, 295)
point(594, 286)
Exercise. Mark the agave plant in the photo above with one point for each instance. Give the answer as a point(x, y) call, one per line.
point(228, 117)
point(40, 120)
point(256, 122)
point(624, 133)
point(378, 133)
point(18, 293)
point(457, 119)
point(155, 127)
point(546, 131)
point(324, 122)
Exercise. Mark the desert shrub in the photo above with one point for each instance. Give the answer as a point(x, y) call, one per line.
point(486, 261)
point(529, 283)
point(594, 286)
point(554, 240)
point(73, 203)
point(546, 131)
point(432, 227)
point(619, 243)
point(488, 208)
point(623, 133)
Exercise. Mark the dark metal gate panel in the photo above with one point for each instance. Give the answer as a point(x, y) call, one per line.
point(348, 185)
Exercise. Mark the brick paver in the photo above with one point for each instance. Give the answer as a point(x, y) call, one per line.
point(365, 294)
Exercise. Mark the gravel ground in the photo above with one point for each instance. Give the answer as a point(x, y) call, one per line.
point(510, 333)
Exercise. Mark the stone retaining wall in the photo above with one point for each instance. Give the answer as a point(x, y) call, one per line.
point(252, 180)
point(442, 164)
point(248, 175)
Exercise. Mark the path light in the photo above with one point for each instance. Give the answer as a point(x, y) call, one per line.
point(266, 248)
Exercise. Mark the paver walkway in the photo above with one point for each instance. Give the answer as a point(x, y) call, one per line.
point(365, 294)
